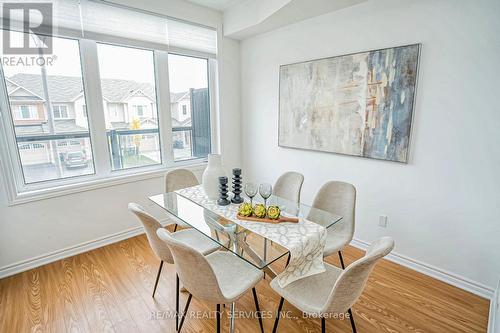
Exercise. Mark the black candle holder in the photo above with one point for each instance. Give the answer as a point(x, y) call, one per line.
point(237, 186)
point(223, 200)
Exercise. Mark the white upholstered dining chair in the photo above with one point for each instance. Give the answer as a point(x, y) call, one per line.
point(335, 291)
point(338, 198)
point(220, 277)
point(202, 243)
point(289, 185)
point(178, 179)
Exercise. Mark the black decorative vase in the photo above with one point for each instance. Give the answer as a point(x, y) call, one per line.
point(237, 186)
point(223, 200)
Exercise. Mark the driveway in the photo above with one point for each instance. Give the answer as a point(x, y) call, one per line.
point(41, 172)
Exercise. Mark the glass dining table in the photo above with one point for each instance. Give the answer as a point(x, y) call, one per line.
point(244, 243)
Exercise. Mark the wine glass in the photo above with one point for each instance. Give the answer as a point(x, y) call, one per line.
point(251, 191)
point(265, 191)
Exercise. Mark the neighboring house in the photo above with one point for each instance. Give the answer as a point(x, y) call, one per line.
point(124, 101)
point(180, 106)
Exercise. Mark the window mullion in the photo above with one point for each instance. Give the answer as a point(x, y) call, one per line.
point(95, 108)
point(214, 109)
point(9, 157)
point(163, 102)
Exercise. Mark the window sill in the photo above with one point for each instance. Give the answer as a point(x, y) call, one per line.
point(53, 192)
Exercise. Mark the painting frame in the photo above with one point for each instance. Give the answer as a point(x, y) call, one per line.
point(411, 112)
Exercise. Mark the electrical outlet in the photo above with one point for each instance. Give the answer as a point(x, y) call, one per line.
point(382, 221)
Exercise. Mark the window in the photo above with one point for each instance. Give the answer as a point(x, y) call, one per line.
point(112, 111)
point(127, 146)
point(60, 111)
point(189, 80)
point(41, 159)
point(139, 110)
point(24, 112)
point(61, 133)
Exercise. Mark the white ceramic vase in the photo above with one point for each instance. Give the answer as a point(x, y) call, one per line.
point(210, 178)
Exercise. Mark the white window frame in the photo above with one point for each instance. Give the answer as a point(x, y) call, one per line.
point(19, 192)
point(32, 114)
point(112, 109)
point(142, 107)
point(59, 106)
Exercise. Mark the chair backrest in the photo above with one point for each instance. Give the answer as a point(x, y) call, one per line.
point(179, 179)
point(193, 269)
point(352, 281)
point(288, 186)
point(151, 224)
point(338, 198)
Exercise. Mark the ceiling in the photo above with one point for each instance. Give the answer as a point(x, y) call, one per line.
point(251, 17)
point(220, 5)
point(246, 18)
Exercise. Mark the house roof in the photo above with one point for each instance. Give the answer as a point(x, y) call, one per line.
point(118, 90)
point(64, 89)
point(65, 126)
point(175, 97)
point(61, 88)
point(11, 87)
point(185, 123)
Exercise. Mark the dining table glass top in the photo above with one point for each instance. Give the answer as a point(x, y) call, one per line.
point(243, 242)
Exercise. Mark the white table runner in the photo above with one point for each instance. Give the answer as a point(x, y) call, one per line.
point(305, 240)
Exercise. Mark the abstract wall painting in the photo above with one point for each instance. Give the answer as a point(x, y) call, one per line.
point(358, 104)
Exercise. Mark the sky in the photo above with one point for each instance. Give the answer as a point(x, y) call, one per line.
point(118, 62)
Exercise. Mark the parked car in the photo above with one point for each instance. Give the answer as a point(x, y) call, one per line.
point(76, 159)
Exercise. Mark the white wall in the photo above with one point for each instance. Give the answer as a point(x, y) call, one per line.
point(42, 227)
point(444, 205)
point(495, 317)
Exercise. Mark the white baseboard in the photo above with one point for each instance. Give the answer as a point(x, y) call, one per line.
point(493, 324)
point(44, 259)
point(434, 272)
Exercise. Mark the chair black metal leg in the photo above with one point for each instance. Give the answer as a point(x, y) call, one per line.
point(323, 325)
point(175, 227)
point(352, 321)
point(341, 260)
point(278, 314)
point(157, 278)
point(287, 260)
point(218, 314)
point(185, 312)
point(258, 310)
point(176, 302)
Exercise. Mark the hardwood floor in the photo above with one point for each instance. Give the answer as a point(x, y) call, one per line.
point(109, 290)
